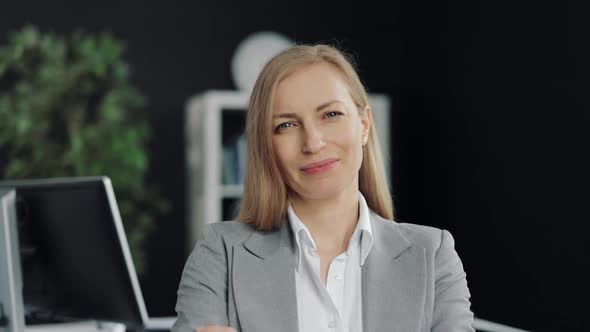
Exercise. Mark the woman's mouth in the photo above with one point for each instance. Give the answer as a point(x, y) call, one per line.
point(320, 167)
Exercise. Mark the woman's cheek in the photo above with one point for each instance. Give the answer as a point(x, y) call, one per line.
point(348, 137)
point(286, 158)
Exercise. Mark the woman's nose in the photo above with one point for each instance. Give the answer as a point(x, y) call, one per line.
point(313, 141)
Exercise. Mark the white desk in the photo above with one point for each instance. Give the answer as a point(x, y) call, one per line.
point(84, 326)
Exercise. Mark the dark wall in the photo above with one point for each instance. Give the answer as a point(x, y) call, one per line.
point(489, 127)
point(492, 143)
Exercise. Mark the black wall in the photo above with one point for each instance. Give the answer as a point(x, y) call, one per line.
point(492, 143)
point(489, 127)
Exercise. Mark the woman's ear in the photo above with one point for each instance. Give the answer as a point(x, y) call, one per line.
point(366, 116)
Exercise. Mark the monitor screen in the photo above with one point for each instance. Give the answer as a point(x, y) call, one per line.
point(75, 259)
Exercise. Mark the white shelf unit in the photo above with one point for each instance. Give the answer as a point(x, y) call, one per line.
point(203, 135)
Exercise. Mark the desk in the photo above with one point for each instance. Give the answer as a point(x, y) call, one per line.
point(84, 326)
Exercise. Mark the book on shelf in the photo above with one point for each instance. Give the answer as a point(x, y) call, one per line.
point(241, 154)
point(234, 161)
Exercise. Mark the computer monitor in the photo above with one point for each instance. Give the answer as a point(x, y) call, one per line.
point(75, 258)
point(11, 301)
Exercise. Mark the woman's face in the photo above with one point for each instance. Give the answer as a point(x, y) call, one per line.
point(318, 133)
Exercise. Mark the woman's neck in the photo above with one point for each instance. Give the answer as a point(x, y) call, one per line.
point(331, 222)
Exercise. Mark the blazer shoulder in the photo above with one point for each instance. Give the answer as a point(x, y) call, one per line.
point(426, 237)
point(232, 232)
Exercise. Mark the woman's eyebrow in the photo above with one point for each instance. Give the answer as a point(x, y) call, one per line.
point(285, 115)
point(326, 104)
point(319, 108)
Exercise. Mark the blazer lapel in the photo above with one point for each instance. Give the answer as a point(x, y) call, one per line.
point(264, 282)
point(393, 280)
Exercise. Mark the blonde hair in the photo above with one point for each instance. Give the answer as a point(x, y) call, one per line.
point(264, 203)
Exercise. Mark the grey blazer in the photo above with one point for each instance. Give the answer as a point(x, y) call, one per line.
point(412, 280)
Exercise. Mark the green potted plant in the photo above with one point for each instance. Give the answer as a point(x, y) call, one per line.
point(67, 109)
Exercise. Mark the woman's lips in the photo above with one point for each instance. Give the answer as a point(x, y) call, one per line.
point(320, 167)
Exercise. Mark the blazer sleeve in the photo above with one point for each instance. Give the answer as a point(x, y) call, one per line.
point(202, 293)
point(451, 300)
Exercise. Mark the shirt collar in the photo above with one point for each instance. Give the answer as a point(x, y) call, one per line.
point(362, 233)
point(301, 233)
point(363, 229)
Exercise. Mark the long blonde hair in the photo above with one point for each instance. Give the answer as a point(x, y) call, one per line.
point(264, 203)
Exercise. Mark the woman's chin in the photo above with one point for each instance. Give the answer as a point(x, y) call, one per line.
point(321, 192)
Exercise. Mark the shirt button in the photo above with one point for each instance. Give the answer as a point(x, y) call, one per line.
point(331, 324)
point(337, 276)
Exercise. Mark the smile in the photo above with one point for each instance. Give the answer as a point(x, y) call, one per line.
point(321, 167)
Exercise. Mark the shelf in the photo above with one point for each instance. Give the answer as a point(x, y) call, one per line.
point(232, 190)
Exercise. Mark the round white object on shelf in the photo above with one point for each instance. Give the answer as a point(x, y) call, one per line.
point(253, 53)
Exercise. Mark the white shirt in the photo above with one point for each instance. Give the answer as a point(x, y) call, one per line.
point(337, 307)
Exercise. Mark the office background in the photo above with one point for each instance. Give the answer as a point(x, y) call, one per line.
point(489, 125)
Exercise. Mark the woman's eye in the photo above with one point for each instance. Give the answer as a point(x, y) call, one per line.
point(332, 114)
point(284, 125)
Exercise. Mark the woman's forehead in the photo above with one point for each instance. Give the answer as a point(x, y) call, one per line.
point(309, 87)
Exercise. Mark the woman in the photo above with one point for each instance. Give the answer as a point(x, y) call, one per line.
point(315, 247)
